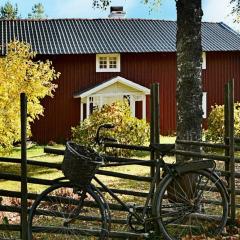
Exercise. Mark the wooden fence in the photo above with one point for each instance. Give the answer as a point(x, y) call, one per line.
point(228, 159)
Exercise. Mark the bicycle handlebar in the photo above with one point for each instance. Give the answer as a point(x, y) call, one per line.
point(100, 140)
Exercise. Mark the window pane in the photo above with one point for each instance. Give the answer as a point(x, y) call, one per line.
point(103, 62)
point(112, 62)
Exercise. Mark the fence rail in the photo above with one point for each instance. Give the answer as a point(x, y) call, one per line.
point(110, 159)
point(229, 159)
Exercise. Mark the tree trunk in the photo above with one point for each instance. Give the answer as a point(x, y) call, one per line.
point(189, 70)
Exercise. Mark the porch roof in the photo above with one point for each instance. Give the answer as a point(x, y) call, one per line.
point(105, 84)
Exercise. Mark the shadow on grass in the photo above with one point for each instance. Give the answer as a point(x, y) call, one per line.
point(13, 168)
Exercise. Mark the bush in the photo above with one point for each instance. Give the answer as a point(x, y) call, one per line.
point(215, 131)
point(20, 72)
point(128, 129)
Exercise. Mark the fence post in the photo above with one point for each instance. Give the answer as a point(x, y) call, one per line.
point(154, 123)
point(231, 149)
point(157, 122)
point(157, 115)
point(24, 225)
point(226, 136)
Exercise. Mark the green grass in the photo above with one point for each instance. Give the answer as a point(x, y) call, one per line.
point(33, 153)
point(36, 152)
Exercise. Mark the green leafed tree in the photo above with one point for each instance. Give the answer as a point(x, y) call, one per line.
point(189, 83)
point(38, 12)
point(8, 11)
point(20, 73)
point(236, 9)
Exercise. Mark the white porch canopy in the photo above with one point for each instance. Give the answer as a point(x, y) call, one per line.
point(110, 91)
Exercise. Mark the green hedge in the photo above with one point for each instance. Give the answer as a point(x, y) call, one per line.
point(215, 131)
point(128, 129)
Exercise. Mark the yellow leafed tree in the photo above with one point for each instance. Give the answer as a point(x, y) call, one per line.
point(20, 73)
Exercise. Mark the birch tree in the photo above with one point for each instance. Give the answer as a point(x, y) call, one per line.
point(189, 82)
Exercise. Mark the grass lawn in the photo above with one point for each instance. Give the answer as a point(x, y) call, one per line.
point(36, 152)
point(33, 153)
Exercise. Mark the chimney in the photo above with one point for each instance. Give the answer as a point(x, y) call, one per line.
point(117, 12)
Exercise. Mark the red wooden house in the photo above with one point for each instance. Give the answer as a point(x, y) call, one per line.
point(102, 60)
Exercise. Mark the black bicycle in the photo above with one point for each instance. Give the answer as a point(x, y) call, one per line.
point(189, 201)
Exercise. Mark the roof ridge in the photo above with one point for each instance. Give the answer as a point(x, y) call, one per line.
point(94, 19)
point(88, 19)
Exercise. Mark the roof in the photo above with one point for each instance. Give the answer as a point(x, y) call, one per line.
point(105, 84)
point(86, 36)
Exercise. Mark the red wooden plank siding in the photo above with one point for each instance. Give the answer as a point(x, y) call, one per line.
point(221, 67)
point(78, 73)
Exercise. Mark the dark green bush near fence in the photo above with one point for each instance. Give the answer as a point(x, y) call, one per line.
point(128, 129)
point(215, 131)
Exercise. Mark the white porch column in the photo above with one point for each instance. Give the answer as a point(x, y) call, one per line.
point(132, 106)
point(144, 107)
point(88, 108)
point(100, 102)
point(81, 112)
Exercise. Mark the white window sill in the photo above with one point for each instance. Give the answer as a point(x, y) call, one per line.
point(108, 70)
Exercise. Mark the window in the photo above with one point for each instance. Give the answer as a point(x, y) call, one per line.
point(113, 62)
point(103, 62)
point(108, 62)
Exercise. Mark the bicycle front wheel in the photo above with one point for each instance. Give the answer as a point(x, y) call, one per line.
point(191, 205)
point(68, 211)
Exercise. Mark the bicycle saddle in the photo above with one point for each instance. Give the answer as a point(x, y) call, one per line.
point(162, 148)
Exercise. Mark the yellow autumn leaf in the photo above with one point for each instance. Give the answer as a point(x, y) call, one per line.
point(20, 72)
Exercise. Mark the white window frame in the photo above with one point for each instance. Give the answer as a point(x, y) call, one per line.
point(204, 60)
point(204, 104)
point(108, 69)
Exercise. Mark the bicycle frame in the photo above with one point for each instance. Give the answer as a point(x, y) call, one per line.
point(159, 163)
point(141, 218)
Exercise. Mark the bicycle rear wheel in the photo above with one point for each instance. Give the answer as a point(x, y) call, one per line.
point(191, 205)
point(68, 211)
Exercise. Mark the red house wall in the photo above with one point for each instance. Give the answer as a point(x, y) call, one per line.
point(78, 72)
point(221, 67)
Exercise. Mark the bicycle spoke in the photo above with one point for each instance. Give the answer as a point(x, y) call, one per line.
point(65, 214)
point(193, 204)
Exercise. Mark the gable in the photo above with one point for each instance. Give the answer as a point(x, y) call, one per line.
point(117, 85)
point(117, 88)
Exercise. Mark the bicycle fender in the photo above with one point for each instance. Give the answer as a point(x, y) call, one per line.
point(194, 166)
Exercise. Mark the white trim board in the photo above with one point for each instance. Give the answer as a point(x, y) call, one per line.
point(119, 79)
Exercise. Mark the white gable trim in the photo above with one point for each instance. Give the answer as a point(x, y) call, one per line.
point(119, 79)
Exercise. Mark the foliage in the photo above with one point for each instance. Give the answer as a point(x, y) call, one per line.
point(8, 11)
point(128, 129)
point(236, 9)
point(38, 12)
point(216, 130)
point(103, 4)
point(19, 73)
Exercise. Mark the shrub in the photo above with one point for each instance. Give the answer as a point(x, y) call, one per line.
point(128, 129)
point(19, 72)
point(215, 131)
